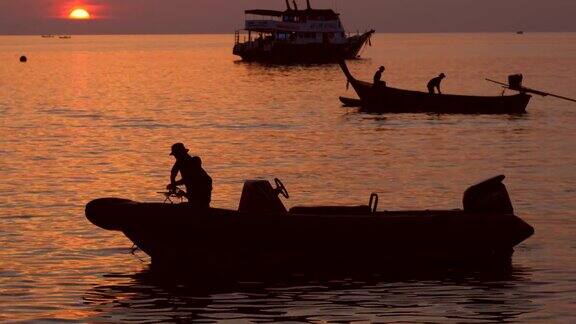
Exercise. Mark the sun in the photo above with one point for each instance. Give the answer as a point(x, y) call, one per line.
point(79, 13)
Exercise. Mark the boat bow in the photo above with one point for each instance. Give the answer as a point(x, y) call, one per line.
point(346, 71)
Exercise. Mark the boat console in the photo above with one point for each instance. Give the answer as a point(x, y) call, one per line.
point(259, 197)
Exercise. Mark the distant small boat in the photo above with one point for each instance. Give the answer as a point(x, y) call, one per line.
point(383, 99)
point(65, 37)
point(520, 32)
point(47, 36)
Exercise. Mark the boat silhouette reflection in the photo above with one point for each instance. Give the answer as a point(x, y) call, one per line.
point(490, 294)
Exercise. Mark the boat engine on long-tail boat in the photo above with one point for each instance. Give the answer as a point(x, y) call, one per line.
point(515, 83)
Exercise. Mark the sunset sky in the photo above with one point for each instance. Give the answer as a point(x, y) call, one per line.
point(224, 16)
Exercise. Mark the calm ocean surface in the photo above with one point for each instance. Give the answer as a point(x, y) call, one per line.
point(94, 116)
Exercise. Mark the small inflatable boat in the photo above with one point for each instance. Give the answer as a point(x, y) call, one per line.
point(263, 232)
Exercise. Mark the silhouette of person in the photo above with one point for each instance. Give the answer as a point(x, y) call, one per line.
point(435, 83)
point(197, 181)
point(378, 77)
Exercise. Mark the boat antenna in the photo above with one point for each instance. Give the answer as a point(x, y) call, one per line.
point(288, 5)
point(308, 5)
point(295, 5)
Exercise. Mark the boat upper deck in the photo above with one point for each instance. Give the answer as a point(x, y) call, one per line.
point(290, 14)
point(290, 20)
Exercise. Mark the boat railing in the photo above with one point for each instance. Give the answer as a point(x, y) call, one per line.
point(264, 24)
point(237, 37)
point(373, 203)
point(250, 42)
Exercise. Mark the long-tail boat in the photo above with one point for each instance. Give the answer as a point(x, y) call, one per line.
point(297, 36)
point(384, 99)
point(264, 234)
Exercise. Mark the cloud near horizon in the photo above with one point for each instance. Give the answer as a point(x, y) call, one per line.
point(225, 16)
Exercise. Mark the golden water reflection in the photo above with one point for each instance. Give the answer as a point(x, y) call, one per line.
point(95, 117)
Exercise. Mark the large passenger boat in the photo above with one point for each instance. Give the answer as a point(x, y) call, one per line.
point(297, 36)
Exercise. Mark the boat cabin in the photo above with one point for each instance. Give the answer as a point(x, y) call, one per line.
point(292, 26)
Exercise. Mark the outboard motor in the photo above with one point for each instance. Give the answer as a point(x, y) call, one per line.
point(515, 81)
point(489, 196)
point(259, 197)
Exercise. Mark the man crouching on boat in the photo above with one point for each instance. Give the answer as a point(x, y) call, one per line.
point(435, 83)
point(378, 78)
point(198, 183)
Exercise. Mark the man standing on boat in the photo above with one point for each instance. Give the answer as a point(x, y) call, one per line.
point(378, 78)
point(435, 83)
point(197, 181)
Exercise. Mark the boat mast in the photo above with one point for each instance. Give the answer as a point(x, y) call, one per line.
point(288, 5)
point(295, 5)
point(308, 4)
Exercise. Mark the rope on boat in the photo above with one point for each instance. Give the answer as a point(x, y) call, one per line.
point(133, 251)
point(366, 43)
point(363, 48)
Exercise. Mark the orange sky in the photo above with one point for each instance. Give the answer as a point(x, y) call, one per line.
point(224, 16)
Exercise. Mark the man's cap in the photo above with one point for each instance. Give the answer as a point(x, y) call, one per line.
point(382, 67)
point(443, 75)
point(179, 148)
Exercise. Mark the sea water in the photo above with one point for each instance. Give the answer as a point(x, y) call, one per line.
point(95, 116)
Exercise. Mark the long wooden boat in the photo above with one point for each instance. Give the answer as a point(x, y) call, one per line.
point(383, 99)
point(263, 233)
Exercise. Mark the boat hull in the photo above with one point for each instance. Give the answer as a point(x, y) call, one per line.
point(179, 235)
point(402, 101)
point(350, 102)
point(384, 99)
point(290, 53)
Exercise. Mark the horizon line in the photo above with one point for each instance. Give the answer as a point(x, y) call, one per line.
point(232, 33)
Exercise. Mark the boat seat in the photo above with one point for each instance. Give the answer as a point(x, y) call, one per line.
point(331, 210)
point(338, 210)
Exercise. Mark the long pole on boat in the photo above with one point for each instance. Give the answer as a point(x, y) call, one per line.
point(528, 90)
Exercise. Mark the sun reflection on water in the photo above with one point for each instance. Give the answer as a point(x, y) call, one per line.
point(96, 118)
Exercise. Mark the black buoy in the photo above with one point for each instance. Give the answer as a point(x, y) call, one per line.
point(23, 59)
